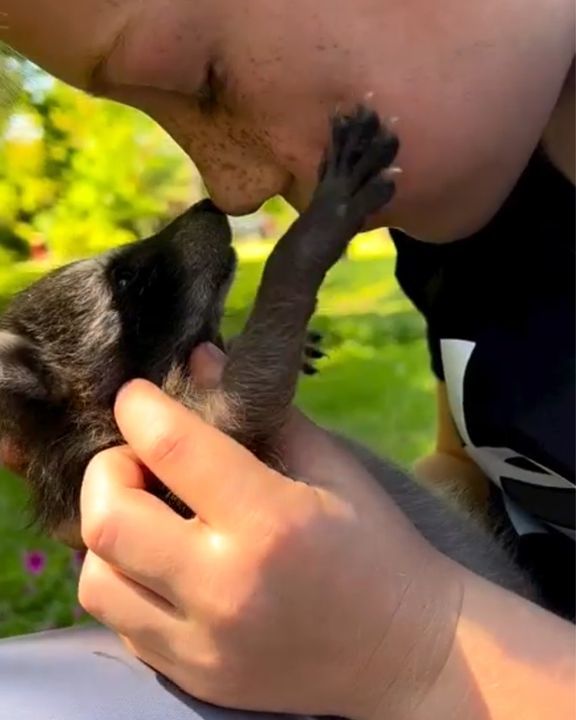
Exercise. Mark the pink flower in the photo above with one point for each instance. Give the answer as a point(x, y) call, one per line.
point(34, 562)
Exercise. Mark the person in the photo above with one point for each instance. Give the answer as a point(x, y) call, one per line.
point(318, 597)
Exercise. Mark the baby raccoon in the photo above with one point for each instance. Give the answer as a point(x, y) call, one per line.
point(69, 342)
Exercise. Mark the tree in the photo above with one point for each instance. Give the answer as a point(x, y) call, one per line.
point(81, 173)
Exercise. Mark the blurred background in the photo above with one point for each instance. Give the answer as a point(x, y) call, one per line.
point(78, 176)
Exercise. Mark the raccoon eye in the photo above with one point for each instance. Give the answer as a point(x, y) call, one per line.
point(123, 277)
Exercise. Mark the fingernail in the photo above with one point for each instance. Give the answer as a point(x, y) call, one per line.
point(207, 352)
point(214, 351)
point(206, 364)
point(127, 385)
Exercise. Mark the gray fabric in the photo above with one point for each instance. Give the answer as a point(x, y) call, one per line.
point(86, 674)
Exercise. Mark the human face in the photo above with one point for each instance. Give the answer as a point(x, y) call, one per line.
point(246, 87)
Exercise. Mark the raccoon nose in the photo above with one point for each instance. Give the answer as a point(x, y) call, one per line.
point(207, 206)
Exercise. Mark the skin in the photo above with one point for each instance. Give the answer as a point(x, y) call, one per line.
point(476, 86)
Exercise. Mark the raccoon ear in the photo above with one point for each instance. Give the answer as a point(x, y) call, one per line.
point(21, 369)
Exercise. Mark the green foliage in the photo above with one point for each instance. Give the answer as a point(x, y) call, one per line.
point(10, 82)
point(81, 174)
point(280, 210)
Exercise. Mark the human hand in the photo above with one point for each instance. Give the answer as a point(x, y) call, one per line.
point(310, 597)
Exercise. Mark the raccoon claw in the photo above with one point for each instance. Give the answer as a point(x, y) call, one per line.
point(313, 337)
point(312, 352)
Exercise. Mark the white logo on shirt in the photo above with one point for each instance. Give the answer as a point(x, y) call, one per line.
point(456, 355)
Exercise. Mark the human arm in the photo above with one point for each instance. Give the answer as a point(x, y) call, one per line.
point(509, 659)
point(311, 598)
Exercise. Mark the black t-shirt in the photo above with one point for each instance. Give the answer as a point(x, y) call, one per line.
point(501, 318)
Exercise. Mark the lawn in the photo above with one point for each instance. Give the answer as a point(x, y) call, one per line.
point(374, 385)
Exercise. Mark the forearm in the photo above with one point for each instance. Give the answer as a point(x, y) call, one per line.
point(510, 659)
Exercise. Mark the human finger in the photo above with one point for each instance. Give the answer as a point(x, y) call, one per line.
point(117, 514)
point(124, 606)
point(209, 471)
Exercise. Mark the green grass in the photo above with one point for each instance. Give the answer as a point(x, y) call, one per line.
point(374, 385)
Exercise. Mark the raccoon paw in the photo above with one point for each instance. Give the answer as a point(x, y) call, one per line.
point(356, 174)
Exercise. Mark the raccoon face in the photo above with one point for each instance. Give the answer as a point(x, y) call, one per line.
point(71, 340)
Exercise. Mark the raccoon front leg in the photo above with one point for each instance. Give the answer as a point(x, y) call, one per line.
point(262, 372)
point(312, 351)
